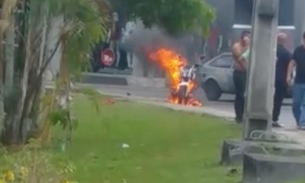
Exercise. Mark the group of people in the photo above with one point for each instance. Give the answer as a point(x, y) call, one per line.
point(285, 65)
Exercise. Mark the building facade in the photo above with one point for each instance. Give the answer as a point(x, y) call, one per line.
point(233, 16)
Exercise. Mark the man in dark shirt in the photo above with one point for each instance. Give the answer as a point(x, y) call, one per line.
point(283, 59)
point(298, 62)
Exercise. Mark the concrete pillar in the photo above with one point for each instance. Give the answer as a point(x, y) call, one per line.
point(137, 67)
point(302, 18)
point(299, 21)
point(260, 83)
point(152, 71)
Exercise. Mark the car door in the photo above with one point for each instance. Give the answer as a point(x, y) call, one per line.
point(223, 72)
point(231, 88)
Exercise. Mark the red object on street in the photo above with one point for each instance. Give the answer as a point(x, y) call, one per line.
point(107, 57)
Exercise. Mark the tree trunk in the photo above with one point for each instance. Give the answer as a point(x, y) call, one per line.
point(53, 53)
point(64, 76)
point(2, 90)
point(64, 92)
point(9, 57)
point(6, 16)
point(16, 133)
point(16, 120)
point(36, 88)
point(24, 116)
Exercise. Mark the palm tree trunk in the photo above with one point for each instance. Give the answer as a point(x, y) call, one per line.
point(64, 91)
point(10, 57)
point(6, 16)
point(64, 79)
point(16, 122)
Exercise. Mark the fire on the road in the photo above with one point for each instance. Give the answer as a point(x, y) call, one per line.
point(171, 62)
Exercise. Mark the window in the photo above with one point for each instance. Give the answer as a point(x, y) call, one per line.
point(223, 62)
point(244, 8)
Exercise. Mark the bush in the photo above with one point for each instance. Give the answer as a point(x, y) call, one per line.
point(33, 164)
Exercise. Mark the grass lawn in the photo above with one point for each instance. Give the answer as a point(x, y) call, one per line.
point(165, 146)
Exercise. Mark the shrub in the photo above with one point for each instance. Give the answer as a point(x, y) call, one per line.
point(33, 164)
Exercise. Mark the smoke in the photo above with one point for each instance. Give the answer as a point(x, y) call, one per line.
point(138, 39)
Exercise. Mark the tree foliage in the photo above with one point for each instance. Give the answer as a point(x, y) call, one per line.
point(44, 28)
point(173, 15)
point(84, 22)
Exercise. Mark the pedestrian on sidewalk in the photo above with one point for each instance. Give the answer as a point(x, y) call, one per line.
point(240, 51)
point(298, 62)
point(283, 59)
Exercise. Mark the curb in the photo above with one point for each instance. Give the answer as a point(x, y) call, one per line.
point(146, 82)
point(50, 85)
point(132, 98)
point(163, 103)
point(123, 80)
point(119, 80)
point(197, 110)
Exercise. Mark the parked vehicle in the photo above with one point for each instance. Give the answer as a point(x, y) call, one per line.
point(216, 77)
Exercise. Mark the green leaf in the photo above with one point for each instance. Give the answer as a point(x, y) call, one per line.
point(74, 123)
point(59, 117)
point(94, 96)
point(175, 16)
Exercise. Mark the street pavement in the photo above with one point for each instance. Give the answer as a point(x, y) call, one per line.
point(160, 94)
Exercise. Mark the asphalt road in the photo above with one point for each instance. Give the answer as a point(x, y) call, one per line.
point(225, 103)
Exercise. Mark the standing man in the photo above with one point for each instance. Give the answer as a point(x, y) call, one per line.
point(240, 75)
point(283, 59)
point(298, 62)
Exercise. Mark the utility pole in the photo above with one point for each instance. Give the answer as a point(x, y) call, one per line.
point(301, 17)
point(260, 163)
point(260, 82)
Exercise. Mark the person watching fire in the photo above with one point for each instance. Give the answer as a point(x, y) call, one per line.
point(240, 53)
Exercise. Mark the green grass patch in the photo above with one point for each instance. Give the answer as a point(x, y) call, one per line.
point(165, 146)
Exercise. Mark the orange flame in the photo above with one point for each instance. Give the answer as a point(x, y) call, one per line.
point(172, 62)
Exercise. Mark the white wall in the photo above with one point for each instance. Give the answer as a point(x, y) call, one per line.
point(52, 39)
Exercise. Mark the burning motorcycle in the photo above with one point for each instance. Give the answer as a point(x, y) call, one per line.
point(186, 87)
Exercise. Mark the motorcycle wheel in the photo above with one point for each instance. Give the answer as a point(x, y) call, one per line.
point(182, 92)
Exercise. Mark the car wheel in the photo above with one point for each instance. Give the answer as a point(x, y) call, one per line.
point(212, 90)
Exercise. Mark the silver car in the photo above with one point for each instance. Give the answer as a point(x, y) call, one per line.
point(216, 77)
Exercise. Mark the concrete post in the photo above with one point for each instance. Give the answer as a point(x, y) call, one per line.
point(299, 20)
point(137, 66)
point(260, 83)
point(302, 18)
